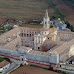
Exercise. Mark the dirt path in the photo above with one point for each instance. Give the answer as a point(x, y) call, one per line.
point(66, 9)
point(32, 70)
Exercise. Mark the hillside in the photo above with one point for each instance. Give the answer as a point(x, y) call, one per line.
point(27, 9)
point(35, 9)
point(66, 9)
point(32, 70)
point(70, 2)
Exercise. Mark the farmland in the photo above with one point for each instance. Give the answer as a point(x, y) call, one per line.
point(24, 9)
point(70, 2)
point(66, 9)
point(32, 70)
point(35, 9)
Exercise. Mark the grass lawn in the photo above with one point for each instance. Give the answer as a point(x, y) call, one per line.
point(2, 59)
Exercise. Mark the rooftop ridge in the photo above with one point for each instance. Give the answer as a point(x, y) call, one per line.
point(63, 47)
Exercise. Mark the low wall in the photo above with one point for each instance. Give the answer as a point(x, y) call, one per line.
point(68, 67)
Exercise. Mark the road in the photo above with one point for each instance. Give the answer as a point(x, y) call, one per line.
point(11, 68)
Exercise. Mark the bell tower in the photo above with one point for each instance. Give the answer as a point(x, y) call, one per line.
point(46, 21)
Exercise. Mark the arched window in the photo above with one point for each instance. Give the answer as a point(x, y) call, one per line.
point(38, 48)
point(22, 59)
point(45, 32)
point(27, 35)
point(30, 35)
point(35, 32)
point(22, 34)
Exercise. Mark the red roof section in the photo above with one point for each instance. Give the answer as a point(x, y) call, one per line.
point(4, 63)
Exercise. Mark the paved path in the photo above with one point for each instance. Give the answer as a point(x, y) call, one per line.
point(67, 71)
point(11, 68)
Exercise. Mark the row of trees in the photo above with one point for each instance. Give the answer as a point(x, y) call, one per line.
point(60, 15)
point(71, 27)
point(70, 2)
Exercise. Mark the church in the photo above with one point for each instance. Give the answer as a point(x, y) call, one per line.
point(37, 38)
point(37, 44)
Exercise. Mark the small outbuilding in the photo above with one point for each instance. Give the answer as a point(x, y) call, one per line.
point(73, 62)
point(4, 65)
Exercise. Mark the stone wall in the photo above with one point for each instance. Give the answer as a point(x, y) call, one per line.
point(32, 56)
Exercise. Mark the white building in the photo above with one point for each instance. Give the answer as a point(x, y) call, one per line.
point(4, 65)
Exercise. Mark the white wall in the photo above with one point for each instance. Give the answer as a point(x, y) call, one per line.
point(32, 56)
point(71, 52)
point(4, 68)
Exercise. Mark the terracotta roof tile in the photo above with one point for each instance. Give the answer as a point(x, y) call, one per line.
point(4, 63)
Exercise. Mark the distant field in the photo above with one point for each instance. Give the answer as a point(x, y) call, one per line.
point(32, 70)
point(66, 9)
point(35, 9)
point(71, 2)
point(27, 9)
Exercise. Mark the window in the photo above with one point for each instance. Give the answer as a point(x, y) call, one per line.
point(38, 48)
point(22, 59)
point(45, 22)
point(27, 35)
point(30, 35)
point(22, 34)
point(45, 32)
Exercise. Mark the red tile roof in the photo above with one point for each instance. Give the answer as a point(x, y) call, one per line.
point(4, 63)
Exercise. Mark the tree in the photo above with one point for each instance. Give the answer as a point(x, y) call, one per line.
point(43, 48)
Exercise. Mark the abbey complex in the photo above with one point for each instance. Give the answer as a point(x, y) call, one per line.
point(41, 45)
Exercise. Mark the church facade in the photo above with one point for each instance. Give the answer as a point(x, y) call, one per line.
point(38, 37)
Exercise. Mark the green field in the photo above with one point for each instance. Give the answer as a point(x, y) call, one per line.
point(58, 14)
point(28, 9)
point(2, 59)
